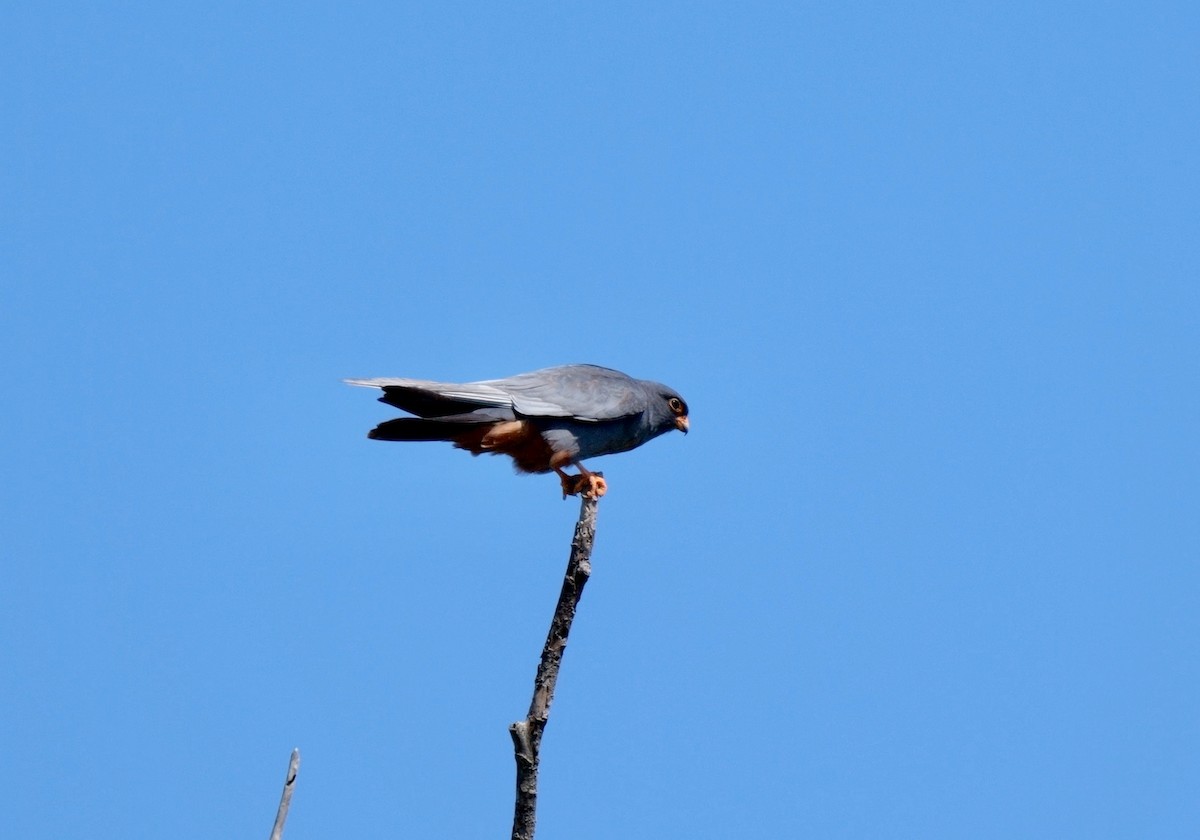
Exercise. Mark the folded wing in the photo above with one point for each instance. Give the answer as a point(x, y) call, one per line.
point(583, 392)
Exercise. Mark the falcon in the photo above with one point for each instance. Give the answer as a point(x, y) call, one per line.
point(545, 420)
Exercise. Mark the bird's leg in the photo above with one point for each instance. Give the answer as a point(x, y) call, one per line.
point(570, 483)
point(591, 484)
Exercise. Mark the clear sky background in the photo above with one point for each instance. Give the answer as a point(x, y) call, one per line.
point(928, 565)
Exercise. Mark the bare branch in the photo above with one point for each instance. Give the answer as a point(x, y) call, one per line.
point(527, 733)
point(285, 801)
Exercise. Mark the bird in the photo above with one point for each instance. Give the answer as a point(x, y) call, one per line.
point(545, 420)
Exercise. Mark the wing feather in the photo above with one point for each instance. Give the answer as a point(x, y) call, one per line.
point(583, 392)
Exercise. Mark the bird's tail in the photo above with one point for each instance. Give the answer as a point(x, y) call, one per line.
point(420, 428)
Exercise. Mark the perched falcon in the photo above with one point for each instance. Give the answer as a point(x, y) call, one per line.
point(545, 420)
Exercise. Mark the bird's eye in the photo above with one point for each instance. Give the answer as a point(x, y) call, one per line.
point(675, 404)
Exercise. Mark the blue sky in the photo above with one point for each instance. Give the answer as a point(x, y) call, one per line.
point(927, 276)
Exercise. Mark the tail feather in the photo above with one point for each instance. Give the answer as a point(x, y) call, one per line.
point(420, 428)
point(426, 398)
point(422, 402)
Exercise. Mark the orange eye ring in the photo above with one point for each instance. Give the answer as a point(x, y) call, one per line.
point(675, 404)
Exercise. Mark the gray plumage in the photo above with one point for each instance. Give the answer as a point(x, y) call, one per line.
point(545, 420)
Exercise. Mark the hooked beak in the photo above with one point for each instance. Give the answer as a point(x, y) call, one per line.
point(681, 423)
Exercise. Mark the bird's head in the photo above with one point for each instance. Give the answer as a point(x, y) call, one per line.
point(668, 410)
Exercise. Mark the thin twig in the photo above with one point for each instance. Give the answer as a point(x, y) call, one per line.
point(285, 801)
point(527, 733)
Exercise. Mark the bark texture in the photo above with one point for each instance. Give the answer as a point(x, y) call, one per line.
point(527, 733)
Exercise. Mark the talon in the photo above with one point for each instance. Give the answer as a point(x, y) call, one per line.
point(590, 484)
point(571, 484)
point(597, 486)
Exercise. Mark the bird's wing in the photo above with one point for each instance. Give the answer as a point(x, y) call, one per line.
point(582, 392)
point(478, 393)
point(426, 398)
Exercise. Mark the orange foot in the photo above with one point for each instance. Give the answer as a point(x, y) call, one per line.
point(591, 485)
